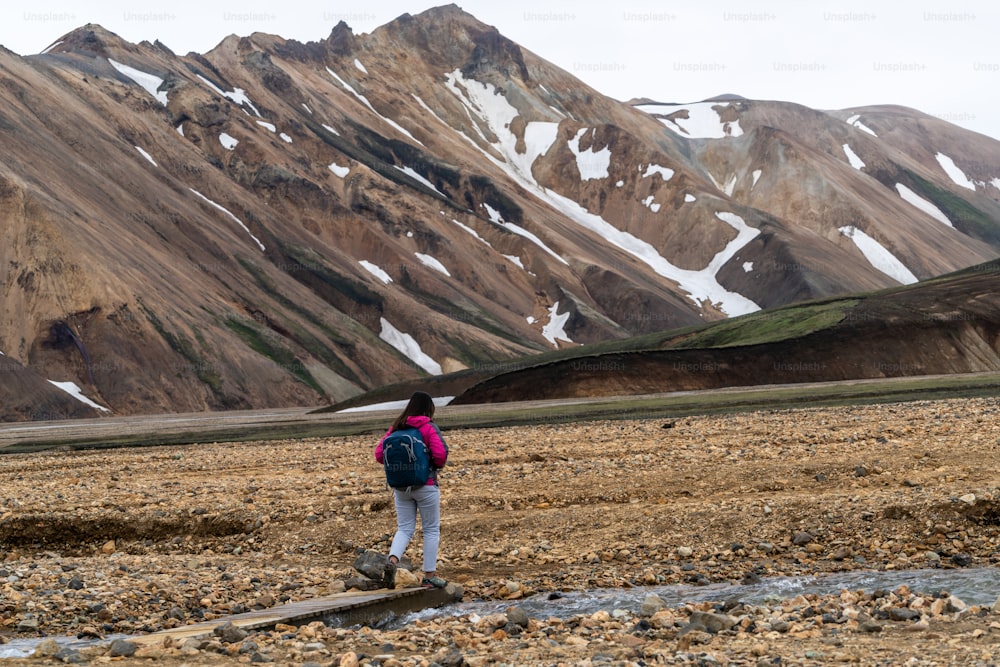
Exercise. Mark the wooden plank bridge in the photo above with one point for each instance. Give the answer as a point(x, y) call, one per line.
point(350, 608)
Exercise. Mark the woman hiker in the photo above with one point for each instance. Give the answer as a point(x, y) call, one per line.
point(423, 497)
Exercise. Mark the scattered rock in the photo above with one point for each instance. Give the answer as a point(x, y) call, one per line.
point(903, 614)
point(869, 626)
point(962, 560)
point(710, 622)
point(518, 616)
point(968, 499)
point(651, 604)
point(802, 538)
point(371, 563)
point(28, 625)
point(153, 583)
point(406, 579)
point(122, 648)
point(230, 634)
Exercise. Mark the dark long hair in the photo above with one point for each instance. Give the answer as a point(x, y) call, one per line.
point(421, 405)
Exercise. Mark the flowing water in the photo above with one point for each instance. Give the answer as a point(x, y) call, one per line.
point(974, 586)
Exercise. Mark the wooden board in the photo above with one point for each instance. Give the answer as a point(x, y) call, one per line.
point(352, 608)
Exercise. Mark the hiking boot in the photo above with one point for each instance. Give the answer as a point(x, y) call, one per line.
point(433, 582)
point(389, 575)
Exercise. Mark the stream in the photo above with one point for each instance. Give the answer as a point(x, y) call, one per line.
point(974, 586)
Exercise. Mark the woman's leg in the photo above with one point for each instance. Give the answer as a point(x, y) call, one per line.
point(406, 522)
point(428, 501)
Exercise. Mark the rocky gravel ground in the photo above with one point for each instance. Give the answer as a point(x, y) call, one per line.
point(97, 544)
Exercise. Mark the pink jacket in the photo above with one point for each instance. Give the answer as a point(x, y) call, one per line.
point(432, 438)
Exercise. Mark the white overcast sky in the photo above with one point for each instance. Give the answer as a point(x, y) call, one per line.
point(940, 57)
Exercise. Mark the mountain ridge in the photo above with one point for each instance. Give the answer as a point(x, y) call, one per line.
point(278, 223)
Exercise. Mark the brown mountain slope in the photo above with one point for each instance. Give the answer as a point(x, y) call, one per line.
point(277, 223)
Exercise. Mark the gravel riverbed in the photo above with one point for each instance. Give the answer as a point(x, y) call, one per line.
point(103, 543)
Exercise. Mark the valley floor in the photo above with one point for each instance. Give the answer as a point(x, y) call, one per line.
point(134, 540)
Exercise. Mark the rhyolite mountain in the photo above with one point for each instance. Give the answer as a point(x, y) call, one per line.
point(275, 223)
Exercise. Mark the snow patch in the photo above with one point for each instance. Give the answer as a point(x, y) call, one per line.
point(954, 173)
point(364, 100)
point(555, 328)
point(357, 63)
point(730, 186)
point(147, 156)
point(339, 171)
point(284, 137)
point(756, 177)
point(927, 207)
point(853, 158)
point(703, 121)
point(619, 184)
point(592, 165)
point(429, 110)
point(996, 183)
point(149, 82)
point(376, 271)
point(472, 231)
point(854, 121)
point(441, 401)
point(408, 346)
point(49, 48)
point(234, 218)
point(417, 177)
point(494, 110)
point(432, 262)
point(648, 203)
point(747, 267)
point(497, 113)
point(306, 107)
point(73, 390)
point(666, 173)
point(228, 142)
point(267, 126)
point(237, 95)
point(690, 198)
point(521, 231)
point(493, 214)
point(516, 261)
point(331, 130)
point(878, 255)
point(180, 129)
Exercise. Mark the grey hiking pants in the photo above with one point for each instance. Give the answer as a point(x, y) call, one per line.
point(427, 501)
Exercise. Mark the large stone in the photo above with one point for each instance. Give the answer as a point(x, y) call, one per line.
point(230, 633)
point(122, 648)
point(406, 579)
point(362, 583)
point(903, 614)
point(651, 604)
point(518, 616)
point(711, 622)
point(371, 564)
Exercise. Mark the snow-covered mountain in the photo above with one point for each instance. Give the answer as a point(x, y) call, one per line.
point(277, 223)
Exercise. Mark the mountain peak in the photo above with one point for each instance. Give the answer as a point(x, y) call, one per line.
point(90, 38)
point(446, 32)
